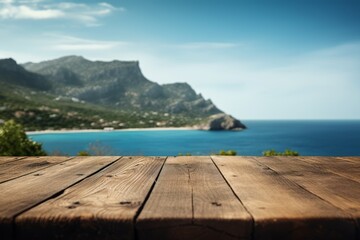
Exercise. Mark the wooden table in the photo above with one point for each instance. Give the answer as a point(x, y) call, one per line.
point(205, 197)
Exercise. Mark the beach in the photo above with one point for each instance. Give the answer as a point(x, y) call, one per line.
point(106, 130)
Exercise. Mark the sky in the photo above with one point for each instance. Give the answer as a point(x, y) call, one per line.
point(255, 59)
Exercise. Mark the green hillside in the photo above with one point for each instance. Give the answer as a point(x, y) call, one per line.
point(38, 110)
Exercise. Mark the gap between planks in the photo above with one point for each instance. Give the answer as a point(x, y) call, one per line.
point(341, 192)
point(102, 206)
point(191, 200)
point(9, 159)
point(25, 166)
point(283, 176)
point(23, 193)
point(338, 166)
point(280, 207)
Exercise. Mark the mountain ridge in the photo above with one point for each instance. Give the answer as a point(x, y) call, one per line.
point(64, 91)
point(120, 83)
point(13, 73)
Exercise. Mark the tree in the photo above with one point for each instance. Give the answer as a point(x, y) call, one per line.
point(14, 141)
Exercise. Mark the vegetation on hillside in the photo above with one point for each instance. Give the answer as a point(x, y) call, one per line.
point(14, 141)
point(37, 110)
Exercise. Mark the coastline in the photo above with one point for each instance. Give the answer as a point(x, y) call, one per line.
point(64, 131)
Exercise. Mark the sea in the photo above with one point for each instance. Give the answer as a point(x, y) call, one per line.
point(308, 138)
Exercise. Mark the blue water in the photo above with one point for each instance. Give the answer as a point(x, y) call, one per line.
point(311, 138)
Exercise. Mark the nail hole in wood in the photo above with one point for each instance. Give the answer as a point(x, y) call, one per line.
point(216, 204)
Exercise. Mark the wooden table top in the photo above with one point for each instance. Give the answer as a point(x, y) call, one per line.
point(194, 197)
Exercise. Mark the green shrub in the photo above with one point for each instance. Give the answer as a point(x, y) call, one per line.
point(186, 154)
point(83, 153)
point(96, 149)
point(227, 153)
point(287, 152)
point(14, 141)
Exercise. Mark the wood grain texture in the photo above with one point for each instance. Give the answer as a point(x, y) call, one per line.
point(339, 191)
point(21, 167)
point(280, 208)
point(8, 159)
point(339, 166)
point(25, 192)
point(101, 207)
point(191, 200)
point(342, 192)
point(352, 159)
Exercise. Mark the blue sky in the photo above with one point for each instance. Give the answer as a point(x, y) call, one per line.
point(294, 59)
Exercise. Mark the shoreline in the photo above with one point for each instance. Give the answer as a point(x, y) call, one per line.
point(64, 131)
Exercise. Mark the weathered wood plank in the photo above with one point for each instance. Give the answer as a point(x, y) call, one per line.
point(25, 192)
point(341, 192)
point(102, 206)
point(191, 200)
point(9, 159)
point(15, 169)
point(351, 159)
point(347, 169)
point(280, 208)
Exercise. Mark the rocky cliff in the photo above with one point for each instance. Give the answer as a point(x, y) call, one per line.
point(120, 84)
point(221, 121)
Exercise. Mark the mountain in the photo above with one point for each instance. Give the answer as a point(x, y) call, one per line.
point(12, 73)
point(73, 92)
point(119, 84)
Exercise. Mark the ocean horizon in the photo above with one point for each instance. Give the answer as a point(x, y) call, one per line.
point(308, 137)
